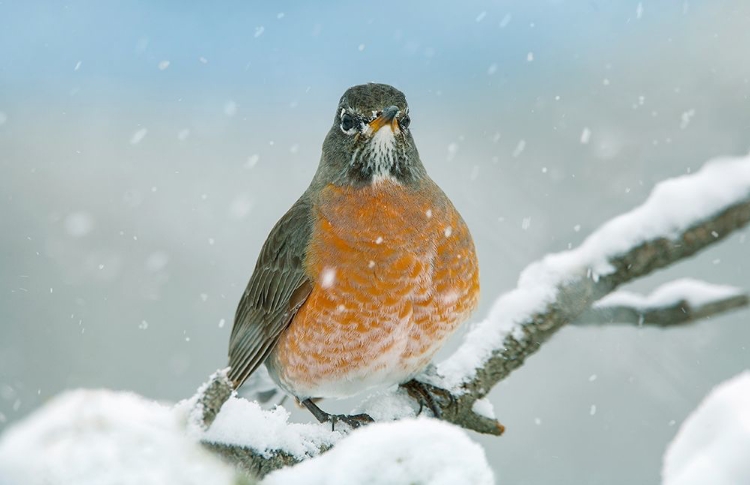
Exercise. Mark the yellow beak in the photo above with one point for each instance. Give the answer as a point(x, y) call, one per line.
point(387, 117)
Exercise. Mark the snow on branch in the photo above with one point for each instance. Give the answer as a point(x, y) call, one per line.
point(681, 217)
point(674, 303)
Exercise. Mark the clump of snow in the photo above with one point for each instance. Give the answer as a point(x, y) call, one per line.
point(422, 451)
point(99, 437)
point(388, 405)
point(713, 444)
point(245, 423)
point(673, 206)
point(695, 292)
point(483, 407)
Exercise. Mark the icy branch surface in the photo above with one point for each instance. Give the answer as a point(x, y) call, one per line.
point(713, 444)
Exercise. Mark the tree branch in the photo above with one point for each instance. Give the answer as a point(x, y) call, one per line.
point(558, 289)
point(681, 217)
point(675, 303)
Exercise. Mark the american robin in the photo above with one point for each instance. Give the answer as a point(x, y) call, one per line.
point(366, 276)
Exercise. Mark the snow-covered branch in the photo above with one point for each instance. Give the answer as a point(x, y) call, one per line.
point(677, 302)
point(681, 217)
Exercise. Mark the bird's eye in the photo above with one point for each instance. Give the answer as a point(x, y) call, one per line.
point(405, 122)
point(347, 122)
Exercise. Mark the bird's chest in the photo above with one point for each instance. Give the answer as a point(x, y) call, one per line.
point(385, 261)
point(374, 230)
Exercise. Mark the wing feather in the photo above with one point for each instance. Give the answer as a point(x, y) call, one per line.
point(277, 289)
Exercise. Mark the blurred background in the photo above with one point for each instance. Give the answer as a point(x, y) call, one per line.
point(147, 148)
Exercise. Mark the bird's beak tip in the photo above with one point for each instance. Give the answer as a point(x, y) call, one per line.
point(387, 117)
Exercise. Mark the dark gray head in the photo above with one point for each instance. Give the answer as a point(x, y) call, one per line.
point(370, 140)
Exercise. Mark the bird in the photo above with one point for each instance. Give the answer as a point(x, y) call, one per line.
point(365, 277)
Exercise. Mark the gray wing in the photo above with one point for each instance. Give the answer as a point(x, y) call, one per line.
point(277, 289)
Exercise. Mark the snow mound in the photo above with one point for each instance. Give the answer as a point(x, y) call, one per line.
point(414, 451)
point(713, 444)
point(100, 437)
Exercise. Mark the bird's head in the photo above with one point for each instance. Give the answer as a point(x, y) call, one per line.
point(370, 140)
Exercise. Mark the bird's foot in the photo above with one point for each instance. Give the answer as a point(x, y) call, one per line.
point(424, 396)
point(354, 421)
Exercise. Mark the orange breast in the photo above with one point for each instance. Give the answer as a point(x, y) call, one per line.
point(395, 273)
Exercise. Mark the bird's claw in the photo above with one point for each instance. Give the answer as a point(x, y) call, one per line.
point(354, 421)
point(422, 394)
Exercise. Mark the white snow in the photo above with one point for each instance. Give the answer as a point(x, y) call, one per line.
point(327, 277)
point(138, 136)
point(685, 118)
point(673, 206)
point(483, 407)
point(422, 451)
point(585, 136)
point(98, 437)
point(695, 292)
point(245, 423)
point(713, 444)
point(505, 21)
